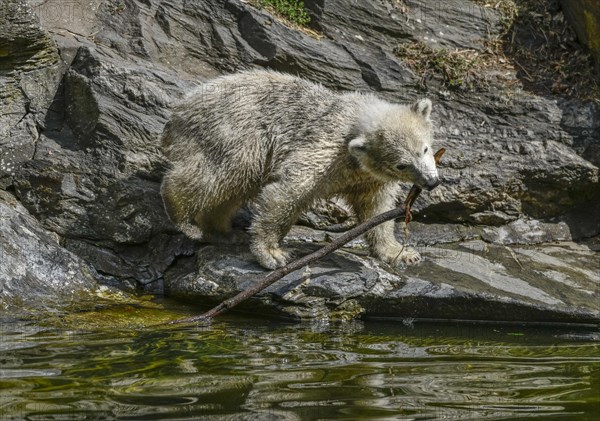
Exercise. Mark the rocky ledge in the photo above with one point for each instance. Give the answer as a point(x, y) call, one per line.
point(468, 280)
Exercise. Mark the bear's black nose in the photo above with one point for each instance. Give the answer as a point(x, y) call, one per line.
point(433, 184)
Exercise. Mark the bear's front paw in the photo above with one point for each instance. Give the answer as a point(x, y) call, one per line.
point(410, 256)
point(397, 256)
point(270, 257)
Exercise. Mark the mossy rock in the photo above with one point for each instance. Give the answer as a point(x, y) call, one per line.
point(23, 44)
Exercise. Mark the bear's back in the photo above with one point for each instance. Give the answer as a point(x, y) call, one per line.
point(257, 112)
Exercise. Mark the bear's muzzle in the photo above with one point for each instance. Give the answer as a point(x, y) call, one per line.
point(432, 184)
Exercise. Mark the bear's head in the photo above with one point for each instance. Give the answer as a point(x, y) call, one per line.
point(394, 143)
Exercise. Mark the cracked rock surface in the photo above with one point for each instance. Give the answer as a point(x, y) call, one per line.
point(468, 280)
point(87, 85)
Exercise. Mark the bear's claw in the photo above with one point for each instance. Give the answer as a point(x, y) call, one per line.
point(271, 257)
point(410, 256)
point(398, 256)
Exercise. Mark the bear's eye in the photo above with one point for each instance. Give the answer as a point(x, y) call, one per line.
point(426, 149)
point(401, 167)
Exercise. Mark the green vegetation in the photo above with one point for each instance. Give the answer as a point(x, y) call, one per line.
point(290, 10)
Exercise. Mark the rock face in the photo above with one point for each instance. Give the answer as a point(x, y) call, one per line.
point(29, 75)
point(36, 272)
point(87, 86)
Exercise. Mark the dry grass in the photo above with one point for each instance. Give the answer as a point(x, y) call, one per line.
point(457, 70)
point(508, 9)
point(399, 5)
point(543, 47)
point(535, 42)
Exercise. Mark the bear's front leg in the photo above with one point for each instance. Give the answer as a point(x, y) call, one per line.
point(278, 206)
point(368, 203)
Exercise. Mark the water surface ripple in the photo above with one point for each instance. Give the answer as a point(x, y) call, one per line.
point(242, 369)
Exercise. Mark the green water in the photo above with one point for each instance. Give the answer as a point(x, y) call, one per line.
point(255, 369)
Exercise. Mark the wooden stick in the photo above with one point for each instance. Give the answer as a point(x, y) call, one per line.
point(303, 261)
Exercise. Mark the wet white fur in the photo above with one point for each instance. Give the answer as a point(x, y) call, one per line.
point(283, 142)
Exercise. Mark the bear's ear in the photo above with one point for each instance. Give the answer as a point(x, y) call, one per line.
point(423, 108)
point(358, 146)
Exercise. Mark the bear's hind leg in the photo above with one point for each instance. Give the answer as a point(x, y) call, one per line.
point(177, 208)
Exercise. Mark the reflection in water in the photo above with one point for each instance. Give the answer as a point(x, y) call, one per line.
point(240, 369)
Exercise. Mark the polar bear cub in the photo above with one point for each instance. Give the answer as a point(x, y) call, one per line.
point(283, 142)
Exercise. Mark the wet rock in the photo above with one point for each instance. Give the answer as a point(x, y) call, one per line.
point(94, 178)
point(36, 273)
point(472, 280)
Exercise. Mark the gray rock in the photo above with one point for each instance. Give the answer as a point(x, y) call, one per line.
point(453, 24)
point(329, 215)
point(494, 218)
point(94, 178)
point(36, 273)
point(27, 83)
point(471, 281)
point(582, 122)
